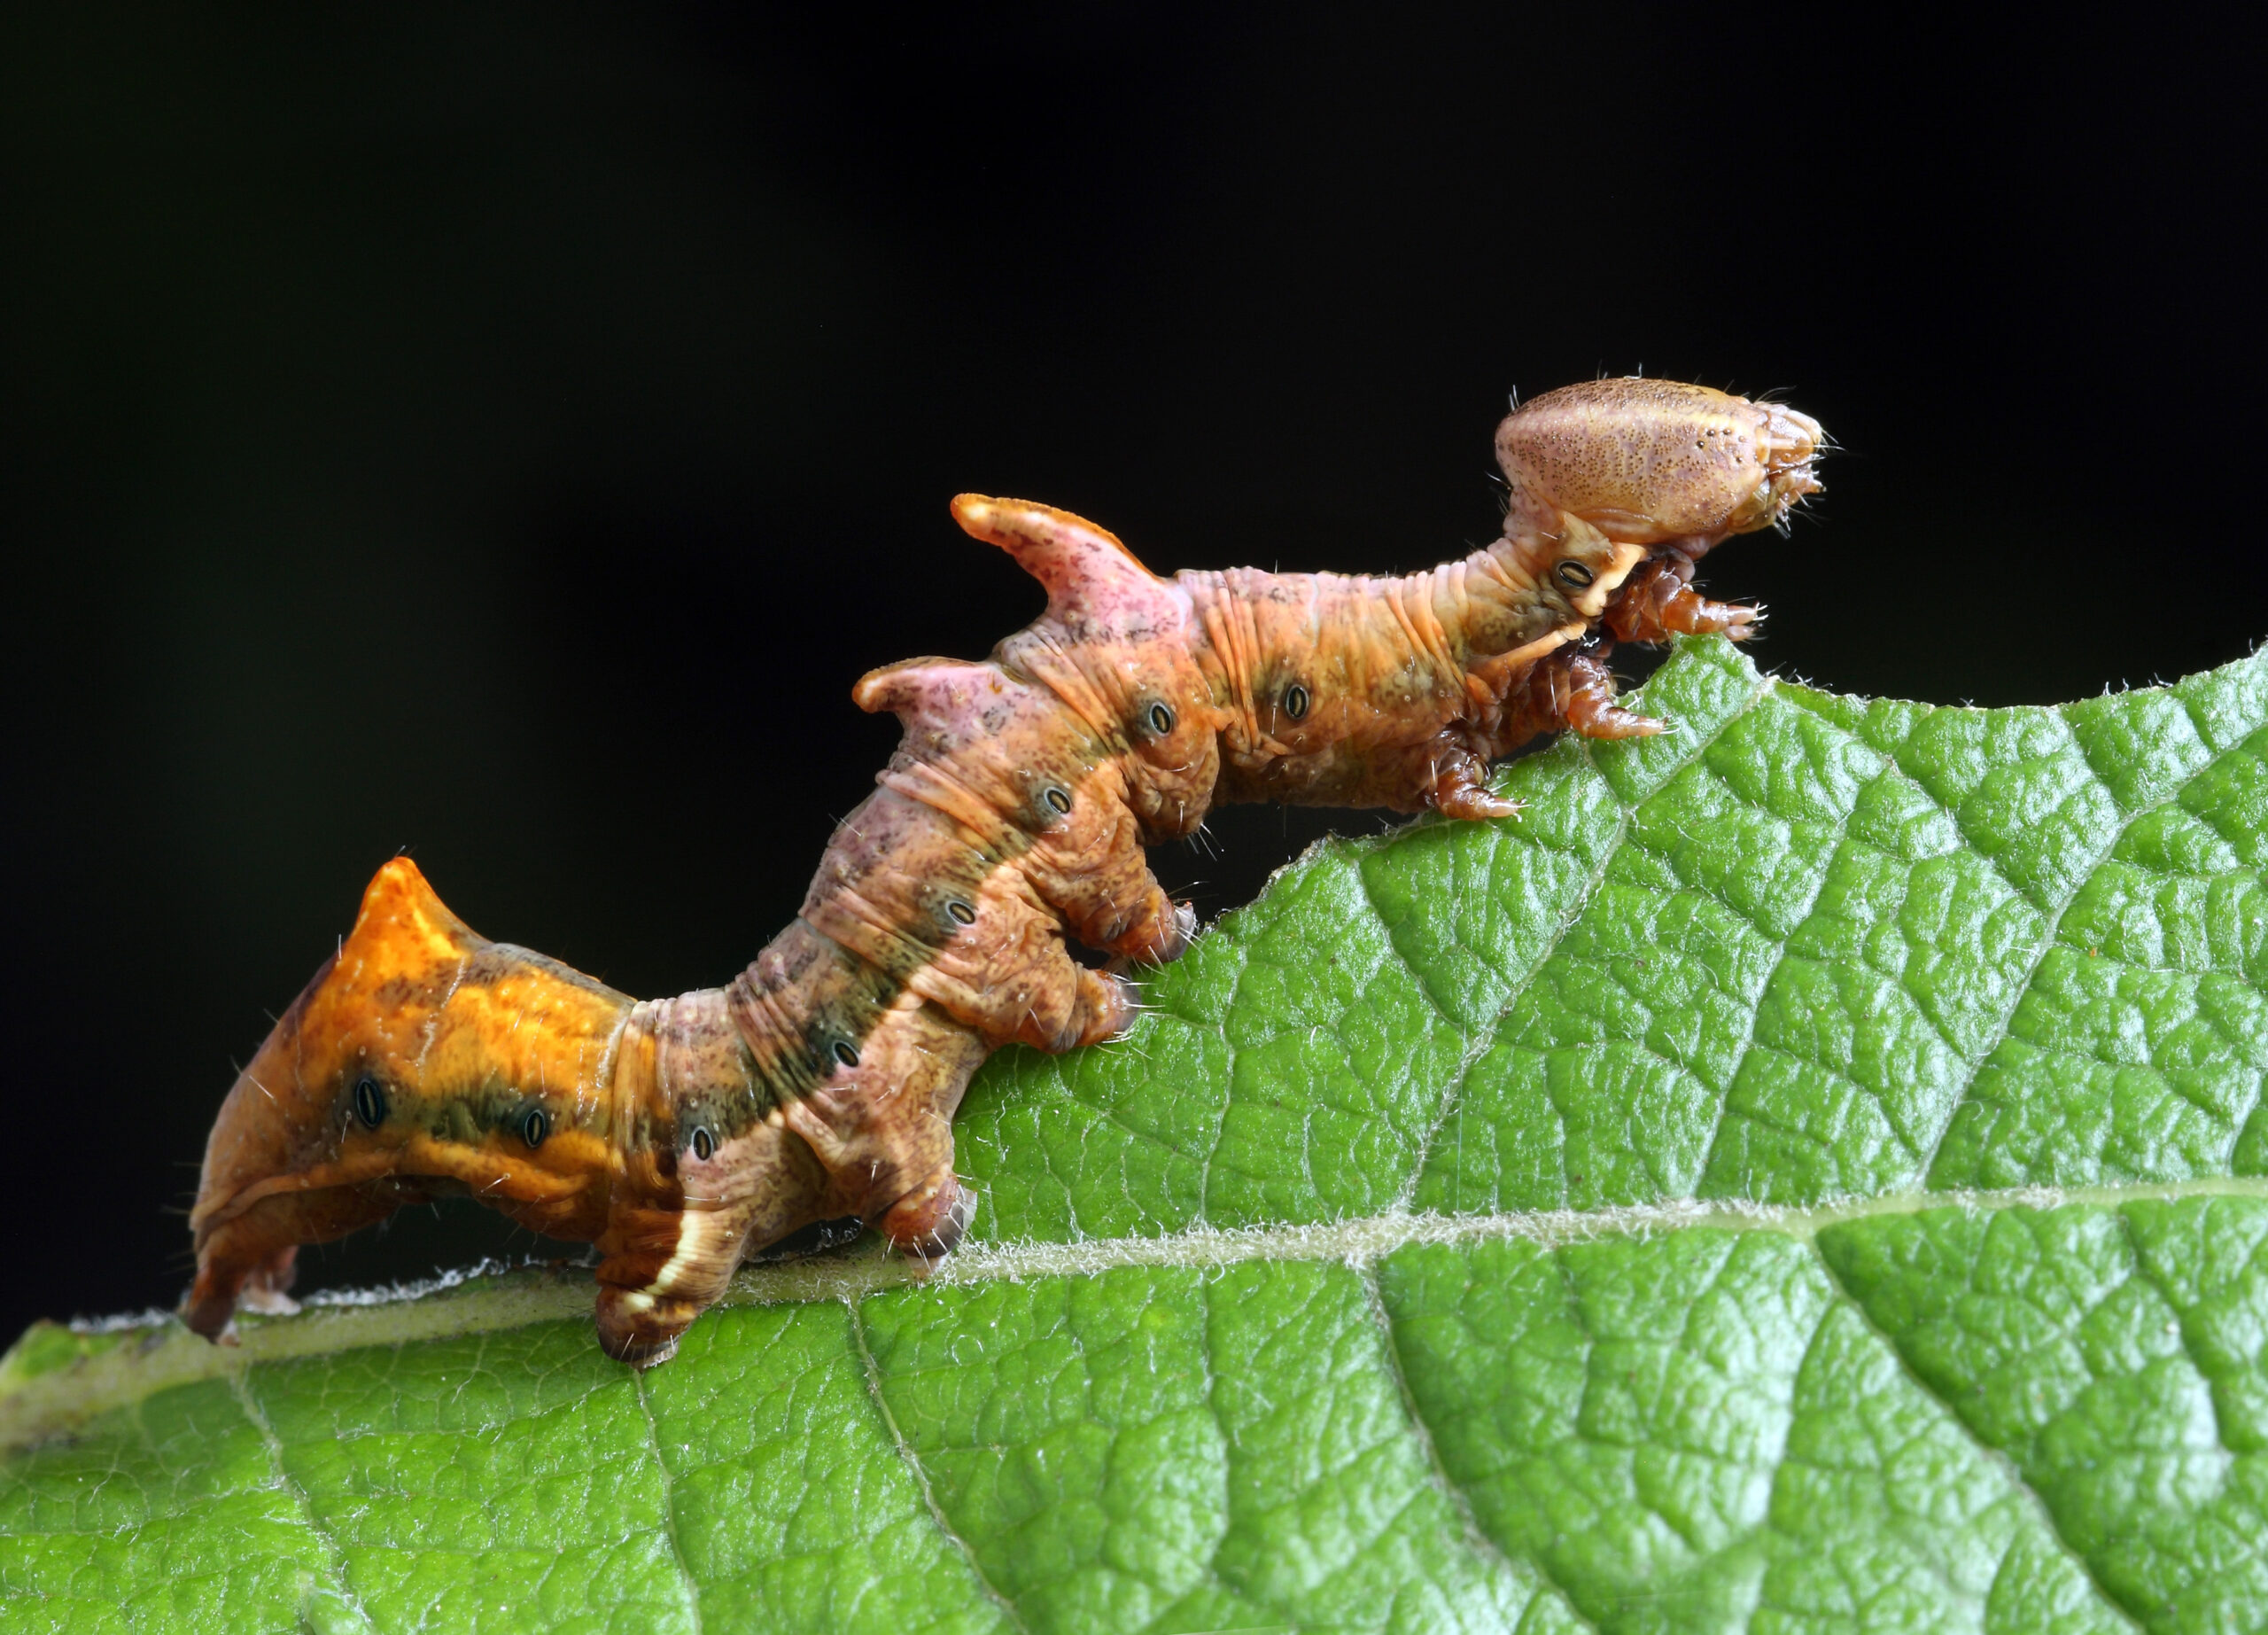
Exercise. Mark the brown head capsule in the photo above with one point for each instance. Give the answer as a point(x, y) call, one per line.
point(1655, 462)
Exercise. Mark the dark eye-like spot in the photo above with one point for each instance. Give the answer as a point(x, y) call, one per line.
point(369, 1101)
point(1160, 719)
point(1295, 702)
point(962, 912)
point(535, 1124)
point(1060, 800)
point(1574, 573)
point(845, 1053)
point(703, 1143)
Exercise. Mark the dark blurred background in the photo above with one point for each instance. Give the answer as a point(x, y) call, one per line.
point(504, 434)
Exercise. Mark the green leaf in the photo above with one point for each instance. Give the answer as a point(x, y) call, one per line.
point(1809, 1174)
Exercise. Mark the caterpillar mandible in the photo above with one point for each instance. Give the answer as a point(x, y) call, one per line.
point(678, 1134)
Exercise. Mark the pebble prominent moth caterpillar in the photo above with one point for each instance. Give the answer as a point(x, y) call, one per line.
point(677, 1134)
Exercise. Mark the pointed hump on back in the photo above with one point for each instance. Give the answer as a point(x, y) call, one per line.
point(912, 686)
point(404, 928)
point(1091, 578)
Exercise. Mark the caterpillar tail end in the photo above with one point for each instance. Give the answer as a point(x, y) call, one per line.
point(331, 1125)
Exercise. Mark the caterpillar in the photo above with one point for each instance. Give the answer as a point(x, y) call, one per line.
point(820, 1084)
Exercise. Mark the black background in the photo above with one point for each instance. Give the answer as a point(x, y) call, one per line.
point(506, 433)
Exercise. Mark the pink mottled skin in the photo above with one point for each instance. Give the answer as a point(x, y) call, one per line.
point(823, 1081)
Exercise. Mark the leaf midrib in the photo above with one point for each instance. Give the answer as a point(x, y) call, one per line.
point(167, 1355)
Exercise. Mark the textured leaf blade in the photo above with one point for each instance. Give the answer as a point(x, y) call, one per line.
point(1360, 1289)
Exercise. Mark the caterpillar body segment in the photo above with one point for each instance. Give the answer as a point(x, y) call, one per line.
point(680, 1134)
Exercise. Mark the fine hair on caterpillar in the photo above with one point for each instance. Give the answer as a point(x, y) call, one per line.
point(820, 1084)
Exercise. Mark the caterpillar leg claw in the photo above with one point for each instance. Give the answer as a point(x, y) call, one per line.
point(1461, 788)
point(1578, 692)
point(424, 1061)
point(1658, 602)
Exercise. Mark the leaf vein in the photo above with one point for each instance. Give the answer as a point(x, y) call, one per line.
point(240, 1388)
point(668, 1501)
point(2050, 939)
point(1451, 1097)
point(1475, 1539)
point(1999, 1457)
point(919, 1472)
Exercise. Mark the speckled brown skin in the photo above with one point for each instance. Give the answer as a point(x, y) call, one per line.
point(680, 1134)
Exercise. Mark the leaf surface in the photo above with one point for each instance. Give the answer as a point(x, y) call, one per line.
point(1809, 1174)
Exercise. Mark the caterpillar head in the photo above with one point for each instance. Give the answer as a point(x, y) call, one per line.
point(1657, 463)
point(420, 1061)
